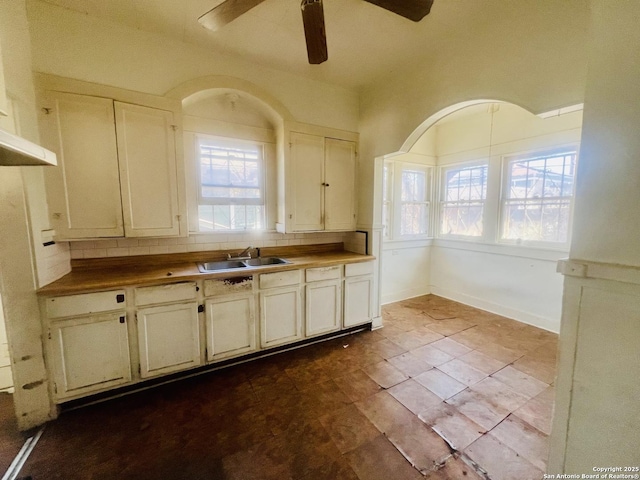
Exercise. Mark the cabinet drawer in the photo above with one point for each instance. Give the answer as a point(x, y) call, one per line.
point(280, 279)
point(85, 303)
point(355, 269)
point(226, 286)
point(323, 273)
point(175, 292)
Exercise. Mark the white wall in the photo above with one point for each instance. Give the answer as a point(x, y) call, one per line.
point(597, 415)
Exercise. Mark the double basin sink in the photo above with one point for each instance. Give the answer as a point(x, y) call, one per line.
point(208, 267)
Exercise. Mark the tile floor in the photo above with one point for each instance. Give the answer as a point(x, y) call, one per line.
point(443, 391)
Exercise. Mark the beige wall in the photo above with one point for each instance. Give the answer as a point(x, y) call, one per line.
point(21, 200)
point(78, 46)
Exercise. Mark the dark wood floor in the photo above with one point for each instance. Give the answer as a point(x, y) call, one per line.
point(11, 440)
point(442, 385)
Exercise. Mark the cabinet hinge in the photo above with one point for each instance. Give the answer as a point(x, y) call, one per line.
point(290, 215)
point(47, 110)
point(139, 370)
point(206, 352)
point(55, 388)
point(200, 308)
point(174, 128)
point(49, 335)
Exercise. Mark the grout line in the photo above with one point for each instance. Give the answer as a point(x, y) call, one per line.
point(18, 462)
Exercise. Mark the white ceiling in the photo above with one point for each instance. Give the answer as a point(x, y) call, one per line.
point(365, 42)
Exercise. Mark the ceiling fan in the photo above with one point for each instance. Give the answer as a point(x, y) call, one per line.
point(312, 19)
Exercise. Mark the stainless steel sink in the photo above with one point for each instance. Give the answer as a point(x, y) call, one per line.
point(207, 267)
point(222, 265)
point(260, 261)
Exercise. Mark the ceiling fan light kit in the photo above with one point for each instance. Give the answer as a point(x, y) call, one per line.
point(312, 19)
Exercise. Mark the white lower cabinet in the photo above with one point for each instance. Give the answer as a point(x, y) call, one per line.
point(90, 353)
point(280, 308)
point(168, 338)
point(231, 326)
point(168, 328)
point(323, 300)
point(358, 293)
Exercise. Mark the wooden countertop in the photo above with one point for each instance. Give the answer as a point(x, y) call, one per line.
point(112, 273)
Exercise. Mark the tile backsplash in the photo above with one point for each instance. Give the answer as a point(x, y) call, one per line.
point(123, 247)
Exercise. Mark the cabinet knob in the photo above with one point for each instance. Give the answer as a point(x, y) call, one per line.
point(325, 184)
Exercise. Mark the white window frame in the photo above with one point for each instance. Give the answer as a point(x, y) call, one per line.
point(507, 160)
point(225, 142)
point(394, 202)
point(442, 202)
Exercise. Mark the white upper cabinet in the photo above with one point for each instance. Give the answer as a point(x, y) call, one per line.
point(84, 191)
point(118, 172)
point(147, 159)
point(317, 184)
point(340, 185)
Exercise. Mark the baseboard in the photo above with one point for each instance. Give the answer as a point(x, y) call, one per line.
point(405, 294)
point(515, 314)
point(376, 323)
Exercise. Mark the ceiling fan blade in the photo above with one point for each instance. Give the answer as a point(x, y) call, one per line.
point(414, 10)
point(226, 12)
point(314, 32)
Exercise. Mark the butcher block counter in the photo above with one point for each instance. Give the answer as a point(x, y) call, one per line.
point(92, 275)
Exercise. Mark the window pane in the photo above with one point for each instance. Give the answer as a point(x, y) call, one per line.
point(462, 219)
point(413, 186)
point(537, 204)
point(231, 192)
point(465, 190)
point(414, 219)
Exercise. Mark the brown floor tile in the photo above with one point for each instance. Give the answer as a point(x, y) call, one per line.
point(538, 411)
point(11, 440)
point(451, 347)
point(500, 462)
point(499, 352)
point(348, 428)
point(478, 408)
point(336, 470)
point(357, 385)
point(440, 383)
point(414, 396)
point(520, 381)
point(461, 371)
point(482, 362)
point(384, 411)
point(431, 355)
point(384, 374)
point(415, 338)
point(409, 364)
point(386, 348)
point(458, 430)
point(451, 326)
point(525, 440)
point(542, 369)
point(456, 469)
point(380, 460)
point(500, 394)
point(472, 337)
point(307, 374)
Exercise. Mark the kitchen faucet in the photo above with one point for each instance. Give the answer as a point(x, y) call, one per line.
point(243, 255)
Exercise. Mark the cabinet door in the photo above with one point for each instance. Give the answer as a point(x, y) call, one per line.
point(357, 300)
point(231, 328)
point(340, 185)
point(306, 185)
point(280, 316)
point(89, 354)
point(323, 307)
point(83, 193)
point(148, 175)
point(168, 338)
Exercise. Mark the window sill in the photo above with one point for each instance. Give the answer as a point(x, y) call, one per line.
point(409, 243)
point(502, 249)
